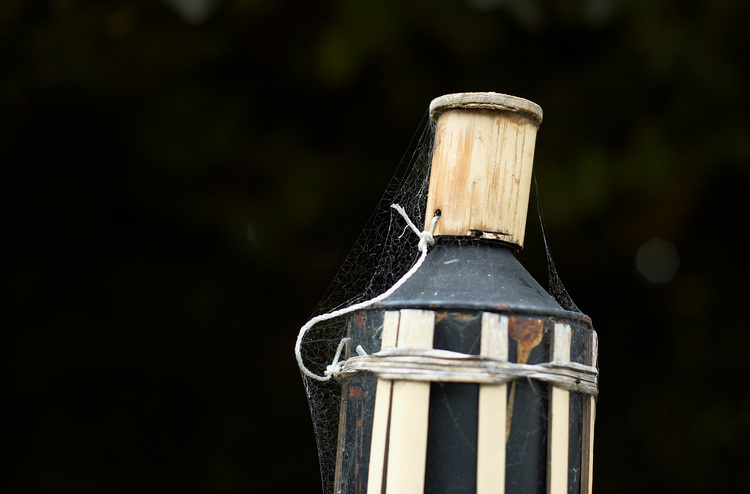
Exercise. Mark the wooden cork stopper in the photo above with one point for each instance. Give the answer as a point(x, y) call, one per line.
point(481, 165)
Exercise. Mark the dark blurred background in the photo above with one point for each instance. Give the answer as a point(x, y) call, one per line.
point(183, 178)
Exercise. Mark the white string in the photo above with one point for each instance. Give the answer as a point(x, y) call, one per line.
point(426, 240)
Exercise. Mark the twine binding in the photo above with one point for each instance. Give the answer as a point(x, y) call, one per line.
point(446, 366)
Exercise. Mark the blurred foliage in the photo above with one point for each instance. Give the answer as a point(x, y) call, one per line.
point(183, 178)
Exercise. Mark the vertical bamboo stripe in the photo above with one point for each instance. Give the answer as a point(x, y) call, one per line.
point(492, 410)
point(589, 416)
point(410, 407)
point(559, 430)
point(381, 414)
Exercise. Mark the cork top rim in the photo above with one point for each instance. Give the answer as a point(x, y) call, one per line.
point(486, 101)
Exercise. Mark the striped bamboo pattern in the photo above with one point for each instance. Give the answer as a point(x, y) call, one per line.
point(407, 434)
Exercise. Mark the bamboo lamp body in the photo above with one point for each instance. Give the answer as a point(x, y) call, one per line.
point(471, 296)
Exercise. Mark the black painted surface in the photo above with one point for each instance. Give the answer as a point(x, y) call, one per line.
point(475, 274)
point(453, 423)
point(359, 405)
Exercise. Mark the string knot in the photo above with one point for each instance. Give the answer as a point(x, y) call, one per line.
point(426, 238)
point(333, 369)
point(335, 366)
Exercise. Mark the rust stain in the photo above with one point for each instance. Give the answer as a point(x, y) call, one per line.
point(464, 317)
point(509, 411)
point(527, 332)
point(358, 446)
point(439, 316)
point(360, 322)
point(501, 307)
point(355, 392)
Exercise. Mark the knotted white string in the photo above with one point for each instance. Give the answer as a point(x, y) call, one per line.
point(426, 240)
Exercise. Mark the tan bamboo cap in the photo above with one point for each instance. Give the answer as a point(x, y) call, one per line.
point(486, 101)
point(481, 166)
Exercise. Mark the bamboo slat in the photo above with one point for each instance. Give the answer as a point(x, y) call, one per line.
point(589, 417)
point(382, 412)
point(559, 429)
point(410, 407)
point(492, 410)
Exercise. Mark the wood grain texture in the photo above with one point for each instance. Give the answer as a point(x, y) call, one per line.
point(481, 173)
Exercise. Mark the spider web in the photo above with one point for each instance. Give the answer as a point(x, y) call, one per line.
point(383, 253)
